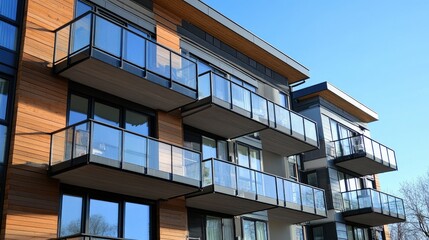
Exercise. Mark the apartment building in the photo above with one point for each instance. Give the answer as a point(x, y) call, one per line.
point(149, 119)
point(347, 165)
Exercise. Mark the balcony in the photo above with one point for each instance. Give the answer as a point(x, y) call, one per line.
point(372, 208)
point(364, 156)
point(230, 110)
point(96, 51)
point(232, 189)
point(95, 155)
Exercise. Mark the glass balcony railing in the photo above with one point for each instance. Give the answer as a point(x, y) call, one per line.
point(129, 48)
point(260, 109)
point(377, 201)
point(98, 142)
point(362, 145)
point(284, 193)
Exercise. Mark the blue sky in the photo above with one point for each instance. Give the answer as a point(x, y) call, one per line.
point(375, 51)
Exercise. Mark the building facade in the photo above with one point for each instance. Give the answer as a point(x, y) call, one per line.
point(150, 119)
point(347, 165)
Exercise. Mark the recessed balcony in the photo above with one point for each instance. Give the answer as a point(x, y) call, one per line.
point(235, 190)
point(372, 208)
point(230, 110)
point(364, 156)
point(98, 52)
point(95, 155)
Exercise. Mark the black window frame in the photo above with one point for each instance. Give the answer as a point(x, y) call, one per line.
point(236, 143)
point(93, 96)
point(254, 220)
point(88, 194)
point(188, 130)
point(202, 215)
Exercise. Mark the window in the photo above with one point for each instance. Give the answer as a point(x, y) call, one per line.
point(104, 218)
point(4, 89)
point(210, 227)
point(8, 36)
point(294, 166)
point(8, 8)
point(3, 137)
point(284, 100)
point(249, 157)
point(83, 107)
point(211, 147)
point(254, 230)
point(81, 8)
point(318, 233)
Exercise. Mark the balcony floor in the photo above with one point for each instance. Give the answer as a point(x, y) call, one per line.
point(209, 115)
point(102, 72)
point(224, 200)
point(278, 142)
point(362, 164)
point(368, 217)
point(292, 216)
point(137, 182)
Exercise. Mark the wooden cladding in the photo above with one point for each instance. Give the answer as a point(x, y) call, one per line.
point(173, 220)
point(31, 197)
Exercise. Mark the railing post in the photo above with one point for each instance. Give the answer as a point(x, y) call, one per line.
point(69, 43)
point(171, 70)
point(121, 160)
point(230, 95)
point(90, 139)
point(171, 160)
point(121, 49)
point(72, 144)
point(91, 34)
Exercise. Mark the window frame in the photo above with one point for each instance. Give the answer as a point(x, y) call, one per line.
point(89, 194)
point(248, 156)
point(201, 134)
point(204, 214)
point(123, 105)
point(254, 221)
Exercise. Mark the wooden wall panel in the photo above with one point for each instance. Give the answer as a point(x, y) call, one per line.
point(31, 196)
point(173, 220)
point(170, 128)
point(166, 28)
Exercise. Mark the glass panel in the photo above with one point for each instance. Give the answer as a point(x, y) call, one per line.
point(392, 206)
point(108, 36)
point(368, 146)
point(78, 109)
point(319, 198)
point(224, 174)
point(255, 159)
point(261, 231)
point(280, 190)
point(271, 115)
point(376, 201)
point(81, 140)
point(357, 144)
point(71, 215)
point(310, 130)
point(204, 86)
point(282, 117)
point(213, 228)
point(241, 97)
point(392, 158)
point(292, 192)
point(221, 88)
point(249, 230)
point(62, 39)
point(259, 108)
point(228, 229)
point(384, 203)
point(8, 8)
point(207, 173)
point(364, 198)
point(8, 36)
point(350, 233)
point(246, 180)
point(106, 114)
point(384, 156)
point(283, 100)
point(318, 233)
point(400, 206)
point(222, 150)
point(159, 156)
point(134, 49)
point(135, 149)
point(307, 196)
point(186, 163)
point(4, 89)
point(158, 59)
point(61, 145)
point(297, 123)
point(353, 200)
point(80, 34)
point(81, 8)
point(137, 221)
point(209, 148)
point(377, 151)
point(103, 218)
point(137, 122)
point(106, 142)
point(183, 71)
point(203, 67)
point(266, 185)
point(243, 156)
